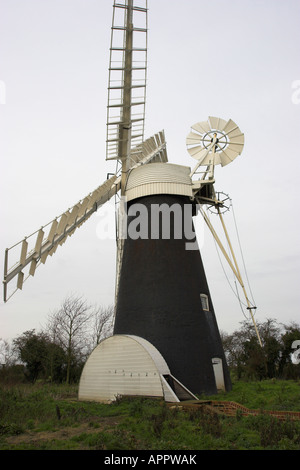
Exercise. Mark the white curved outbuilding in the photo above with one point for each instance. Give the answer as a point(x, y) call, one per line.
point(128, 365)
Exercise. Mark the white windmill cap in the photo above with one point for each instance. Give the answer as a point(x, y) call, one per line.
point(159, 178)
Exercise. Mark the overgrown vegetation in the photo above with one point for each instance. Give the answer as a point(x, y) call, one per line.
point(249, 361)
point(47, 416)
point(38, 392)
point(59, 353)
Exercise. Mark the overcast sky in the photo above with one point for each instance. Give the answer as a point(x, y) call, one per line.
point(235, 59)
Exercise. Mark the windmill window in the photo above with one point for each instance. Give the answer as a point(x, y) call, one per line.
point(204, 302)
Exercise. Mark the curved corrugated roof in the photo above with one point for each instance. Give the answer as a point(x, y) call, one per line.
point(159, 178)
point(122, 365)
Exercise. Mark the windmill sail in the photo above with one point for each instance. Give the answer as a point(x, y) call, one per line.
point(35, 249)
point(127, 81)
point(46, 240)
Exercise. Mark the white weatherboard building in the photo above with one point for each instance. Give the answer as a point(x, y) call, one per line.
point(128, 365)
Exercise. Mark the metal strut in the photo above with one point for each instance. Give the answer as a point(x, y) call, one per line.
point(234, 266)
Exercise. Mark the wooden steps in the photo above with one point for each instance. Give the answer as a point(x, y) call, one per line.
point(230, 408)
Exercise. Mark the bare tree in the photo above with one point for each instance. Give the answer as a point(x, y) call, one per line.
point(68, 327)
point(102, 324)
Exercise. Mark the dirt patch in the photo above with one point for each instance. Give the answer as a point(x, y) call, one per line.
point(35, 438)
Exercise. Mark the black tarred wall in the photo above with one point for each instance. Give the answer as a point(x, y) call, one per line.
point(159, 300)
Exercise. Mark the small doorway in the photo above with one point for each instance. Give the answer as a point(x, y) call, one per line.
point(218, 371)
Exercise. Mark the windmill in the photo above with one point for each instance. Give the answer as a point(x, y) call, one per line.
point(166, 340)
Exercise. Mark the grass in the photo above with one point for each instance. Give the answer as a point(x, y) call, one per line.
point(49, 417)
point(273, 394)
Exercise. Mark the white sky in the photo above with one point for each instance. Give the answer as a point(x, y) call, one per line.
point(235, 59)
